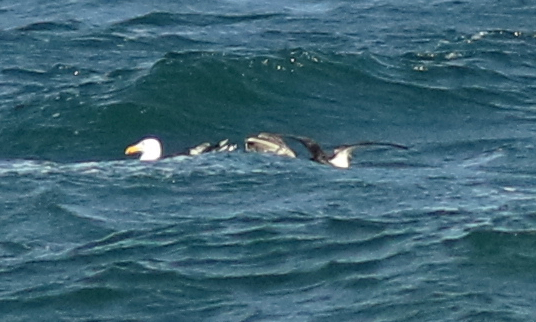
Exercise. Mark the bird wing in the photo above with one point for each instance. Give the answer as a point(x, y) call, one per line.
point(352, 147)
point(225, 146)
point(314, 148)
point(343, 154)
point(222, 146)
point(199, 149)
point(269, 143)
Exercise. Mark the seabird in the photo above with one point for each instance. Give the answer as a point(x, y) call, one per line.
point(273, 143)
point(222, 146)
point(341, 155)
point(150, 149)
point(268, 143)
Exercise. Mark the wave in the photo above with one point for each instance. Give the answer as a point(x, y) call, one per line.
point(160, 19)
point(198, 95)
point(89, 234)
point(503, 252)
point(52, 26)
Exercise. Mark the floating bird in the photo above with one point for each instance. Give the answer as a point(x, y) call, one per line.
point(341, 155)
point(273, 143)
point(150, 149)
point(268, 143)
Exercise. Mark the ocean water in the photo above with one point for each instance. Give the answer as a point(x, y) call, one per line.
point(445, 231)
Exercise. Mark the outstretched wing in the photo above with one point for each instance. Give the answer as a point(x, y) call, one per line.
point(352, 147)
point(314, 148)
point(269, 143)
point(342, 154)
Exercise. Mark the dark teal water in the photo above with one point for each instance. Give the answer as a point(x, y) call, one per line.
point(442, 232)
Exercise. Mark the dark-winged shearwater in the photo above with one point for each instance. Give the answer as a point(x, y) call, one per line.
point(273, 143)
point(341, 155)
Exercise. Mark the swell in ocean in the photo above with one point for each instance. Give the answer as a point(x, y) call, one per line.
point(189, 97)
point(443, 231)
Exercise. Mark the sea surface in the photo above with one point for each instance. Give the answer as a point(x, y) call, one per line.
point(444, 231)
